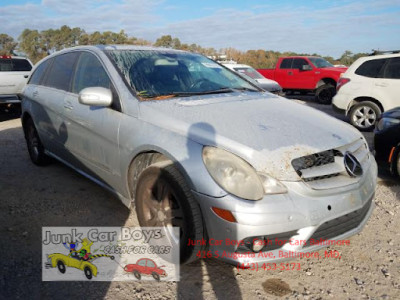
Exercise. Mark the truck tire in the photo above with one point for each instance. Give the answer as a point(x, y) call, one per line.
point(163, 199)
point(325, 93)
point(364, 114)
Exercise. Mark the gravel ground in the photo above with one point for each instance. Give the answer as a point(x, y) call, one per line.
point(33, 197)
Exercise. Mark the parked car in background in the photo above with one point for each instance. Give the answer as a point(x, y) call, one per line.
point(195, 146)
point(251, 74)
point(387, 140)
point(369, 87)
point(306, 74)
point(14, 73)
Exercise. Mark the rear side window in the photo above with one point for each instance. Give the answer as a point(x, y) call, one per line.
point(286, 63)
point(371, 68)
point(5, 65)
point(61, 71)
point(21, 65)
point(392, 70)
point(298, 63)
point(89, 73)
point(38, 74)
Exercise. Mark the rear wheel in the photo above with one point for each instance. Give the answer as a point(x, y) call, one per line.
point(163, 199)
point(363, 115)
point(325, 93)
point(35, 146)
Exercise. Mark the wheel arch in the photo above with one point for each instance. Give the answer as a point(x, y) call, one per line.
point(145, 158)
point(326, 80)
point(362, 99)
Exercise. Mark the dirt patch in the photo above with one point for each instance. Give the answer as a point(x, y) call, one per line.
point(276, 287)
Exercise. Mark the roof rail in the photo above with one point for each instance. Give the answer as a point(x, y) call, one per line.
point(378, 52)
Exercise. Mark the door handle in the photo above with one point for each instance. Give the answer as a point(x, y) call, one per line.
point(381, 84)
point(290, 73)
point(68, 105)
point(26, 76)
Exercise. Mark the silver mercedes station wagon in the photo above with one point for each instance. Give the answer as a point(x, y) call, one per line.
point(246, 175)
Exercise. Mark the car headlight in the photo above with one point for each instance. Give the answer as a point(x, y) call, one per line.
point(237, 177)
point(385, 123)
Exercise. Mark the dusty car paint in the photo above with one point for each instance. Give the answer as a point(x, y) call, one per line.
point(265, 130)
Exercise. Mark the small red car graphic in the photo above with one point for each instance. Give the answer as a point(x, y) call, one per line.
point(145, 266)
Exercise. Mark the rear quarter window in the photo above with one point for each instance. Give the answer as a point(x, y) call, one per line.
point(371, 68)
point(286, 63)
point(21, 65)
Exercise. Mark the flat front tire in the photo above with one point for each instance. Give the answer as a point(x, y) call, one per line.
point(163, 199)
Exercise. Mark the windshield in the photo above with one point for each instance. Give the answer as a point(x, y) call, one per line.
point(320, 62)
point(163, 74)
point(249, 72)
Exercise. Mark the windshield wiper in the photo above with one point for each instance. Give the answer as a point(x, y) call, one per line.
point(188, 94)
point(245, 89)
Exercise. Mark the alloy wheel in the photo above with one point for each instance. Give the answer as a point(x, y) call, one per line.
point(364, 117)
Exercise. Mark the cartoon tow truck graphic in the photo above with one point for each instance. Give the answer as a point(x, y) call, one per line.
point(80, 259)
point(145, 266)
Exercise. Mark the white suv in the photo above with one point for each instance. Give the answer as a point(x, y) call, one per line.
point(14, 73)
point(369, 87)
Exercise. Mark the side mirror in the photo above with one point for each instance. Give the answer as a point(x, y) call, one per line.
point(95, 96)
point(306, 68)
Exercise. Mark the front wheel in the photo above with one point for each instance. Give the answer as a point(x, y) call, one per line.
point(137, 275)
point(395, 165)
point(88, 273)
point(363, 115)
point(325, 93)
point(163, 199)
point(61, 267)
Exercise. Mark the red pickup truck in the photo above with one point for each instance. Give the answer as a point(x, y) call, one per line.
point(306, 74)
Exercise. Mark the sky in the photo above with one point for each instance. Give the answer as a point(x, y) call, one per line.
point(325, 27)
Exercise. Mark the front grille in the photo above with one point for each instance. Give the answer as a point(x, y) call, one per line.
point(272, 242)
point(326, 169)
point(343, 224)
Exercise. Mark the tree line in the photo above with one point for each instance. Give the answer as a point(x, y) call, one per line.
point(38, 44)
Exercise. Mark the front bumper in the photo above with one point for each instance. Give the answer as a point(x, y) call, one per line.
point(9, 99)
point(297, 215)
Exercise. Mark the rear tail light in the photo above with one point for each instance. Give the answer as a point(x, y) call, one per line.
point(342, 81)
